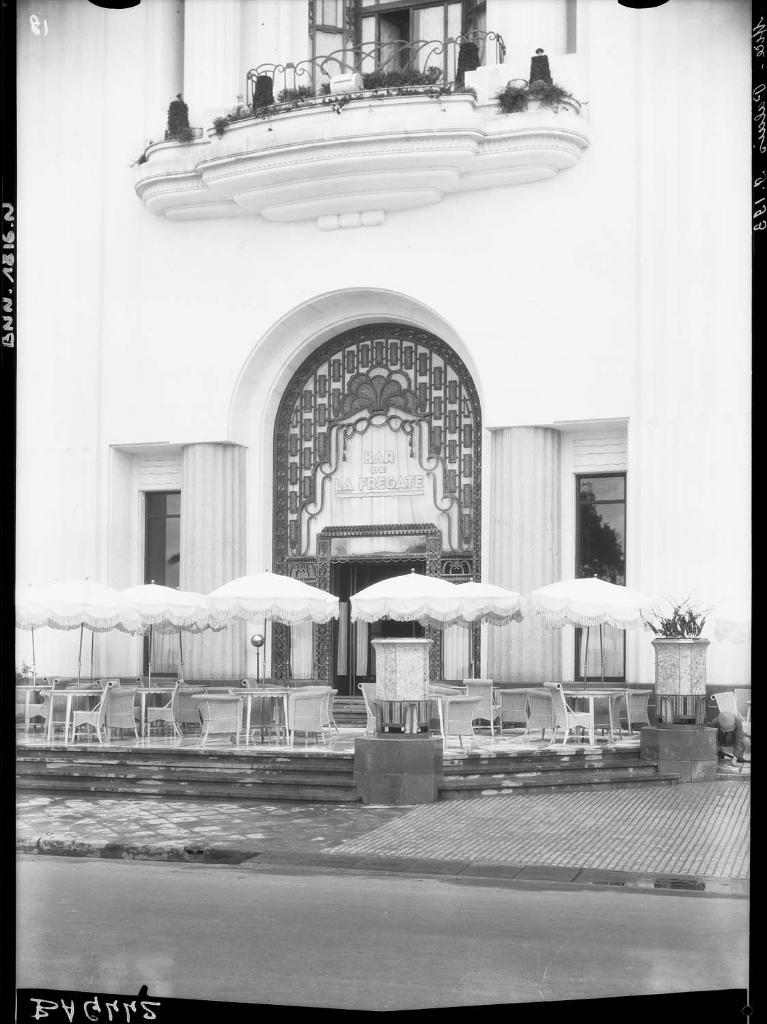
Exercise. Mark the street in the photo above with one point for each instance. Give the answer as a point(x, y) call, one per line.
point(361, 941)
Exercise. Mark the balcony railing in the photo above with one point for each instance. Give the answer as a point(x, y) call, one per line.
point(396, 62)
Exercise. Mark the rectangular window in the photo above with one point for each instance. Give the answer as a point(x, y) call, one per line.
point(601, 551)
point(162, 563)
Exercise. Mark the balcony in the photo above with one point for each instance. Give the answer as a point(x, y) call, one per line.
point(345, 146)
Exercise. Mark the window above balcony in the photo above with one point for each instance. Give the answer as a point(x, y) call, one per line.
point(364, 131)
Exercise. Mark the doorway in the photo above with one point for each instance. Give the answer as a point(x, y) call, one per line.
point(352, 651)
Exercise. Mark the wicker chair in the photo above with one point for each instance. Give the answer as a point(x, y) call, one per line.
point(635, 703)
point(566, 719)
point(120, 710)
point(95, 718)
point(220, 714)
point(306, 714)
point(27, 711)
point(609, 711)
point(540, 712)
point(164, 713)
point(458, 715)
point(512, 707)
point(187, 709)
point(487, 710)
point(52, 712)
point(369, 696)
point(265, 715)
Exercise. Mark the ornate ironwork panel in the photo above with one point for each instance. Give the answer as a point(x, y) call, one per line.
point(380, 373)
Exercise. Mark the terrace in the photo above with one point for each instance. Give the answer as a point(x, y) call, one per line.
point(348, 138)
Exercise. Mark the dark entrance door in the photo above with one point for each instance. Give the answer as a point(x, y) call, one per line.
point(352, 652)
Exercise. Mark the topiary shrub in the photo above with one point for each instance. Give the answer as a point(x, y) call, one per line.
point(178, 119)
point(263, 93)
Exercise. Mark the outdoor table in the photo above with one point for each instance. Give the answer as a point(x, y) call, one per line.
point(69, 694)
point(250, 693)
point(28, 691)
point(591, 696)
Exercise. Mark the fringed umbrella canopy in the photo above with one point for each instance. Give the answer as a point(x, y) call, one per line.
point(428, 599)
point(165, 609)
point(591, 602)
point(74, 605)
point(485, 602)
point(271, 596)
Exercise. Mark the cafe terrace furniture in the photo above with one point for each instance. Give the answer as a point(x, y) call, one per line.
point(369, 696)
point(94, 718)
point(187, 713)
point(163, 713)
point(568, 720)
point(120, 711)
point(512, 706)
point(540, 711)
point(29, 704)
point(487, 710)
point(635, 702)
point(306, 715)
point(220, 714)
point(726, 702)
point(743, 702)
point(263, 708)
point(58, 704)
point(607, 713)
point(457, 715)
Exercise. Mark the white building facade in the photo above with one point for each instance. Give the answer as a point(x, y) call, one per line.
point(350, 336)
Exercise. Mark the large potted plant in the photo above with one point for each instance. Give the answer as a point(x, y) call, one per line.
point(680, 664)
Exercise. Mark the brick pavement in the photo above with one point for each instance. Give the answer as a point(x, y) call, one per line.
point(691, 830)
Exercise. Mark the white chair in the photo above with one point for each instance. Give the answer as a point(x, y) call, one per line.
point(566, 719)
point(608, 711)
point(95, 718)
point(726, 702)
point(540, 709)
point(636, 702)
point(306, 714)
point(52, 712)
point(458, 715)
point(513, 708)
point(487, 710)
point(220, 714)
point(119, 713)
point(164, 713)
point(187, 709)
point(743, 702)
point(369, 695)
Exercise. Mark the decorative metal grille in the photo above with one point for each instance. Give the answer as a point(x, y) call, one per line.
point(400, 375)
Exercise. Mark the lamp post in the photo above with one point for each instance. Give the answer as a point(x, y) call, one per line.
point(258, 641)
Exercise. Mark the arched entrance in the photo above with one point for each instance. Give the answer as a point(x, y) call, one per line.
point(377, 469)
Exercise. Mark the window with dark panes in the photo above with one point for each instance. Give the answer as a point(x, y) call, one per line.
point(601, 552)
point(162, 551)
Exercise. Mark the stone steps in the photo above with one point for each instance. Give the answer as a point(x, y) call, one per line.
point(467, 788)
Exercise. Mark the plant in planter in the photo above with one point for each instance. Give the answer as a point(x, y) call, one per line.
point(517, 95)
point(302, 92)
point(513, 98)
point(397, 79)
point(680, 663)
point(178, 121)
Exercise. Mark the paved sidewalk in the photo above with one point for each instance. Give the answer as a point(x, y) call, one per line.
point(693, 836)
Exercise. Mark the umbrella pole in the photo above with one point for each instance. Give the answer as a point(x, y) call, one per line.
point(586, 659)
point(79, 655)
point(149, 678)
point(34, 660)
point(93, 635)
point(602, 653)
point(180, 656)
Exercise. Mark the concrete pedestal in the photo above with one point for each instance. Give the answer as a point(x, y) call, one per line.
point(397, 769)
point(689, 753)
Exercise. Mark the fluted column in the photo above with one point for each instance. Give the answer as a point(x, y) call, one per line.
point(523, 547)
point(212, 73)
point(213, 548)
point(164, 75)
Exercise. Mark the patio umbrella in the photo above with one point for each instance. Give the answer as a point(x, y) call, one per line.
point(166, 610)
point(272, 597)
point(411, 597)
point(269, 595)
point(76, 604)
point(591, 602)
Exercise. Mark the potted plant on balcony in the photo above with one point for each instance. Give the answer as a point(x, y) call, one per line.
point(680, 663)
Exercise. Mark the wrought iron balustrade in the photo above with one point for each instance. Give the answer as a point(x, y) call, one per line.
point(392, 64)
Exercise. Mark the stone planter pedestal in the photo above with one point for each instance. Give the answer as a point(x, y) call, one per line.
point(402, 763)
point(680, 743)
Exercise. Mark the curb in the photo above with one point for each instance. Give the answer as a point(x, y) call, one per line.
point(457, 870)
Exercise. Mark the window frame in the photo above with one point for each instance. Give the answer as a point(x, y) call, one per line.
point(615, 474)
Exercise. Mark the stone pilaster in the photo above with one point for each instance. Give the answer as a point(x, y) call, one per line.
point(213, 549)
point(523, 547)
